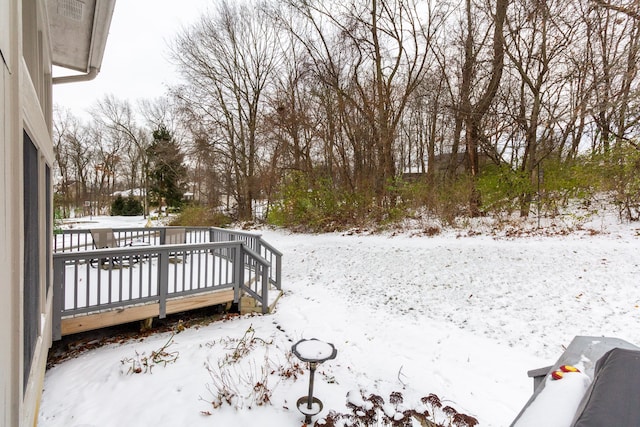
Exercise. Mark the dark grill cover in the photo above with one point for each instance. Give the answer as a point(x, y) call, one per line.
point(613, 399)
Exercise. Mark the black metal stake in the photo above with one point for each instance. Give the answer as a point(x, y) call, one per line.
point(312, 369)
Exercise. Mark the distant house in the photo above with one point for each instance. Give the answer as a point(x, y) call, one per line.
point(441, 164)
point(136, 193)
point(34, 36)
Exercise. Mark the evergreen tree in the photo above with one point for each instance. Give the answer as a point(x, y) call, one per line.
point(117, 207)
point(167, 172)
point(126, 207)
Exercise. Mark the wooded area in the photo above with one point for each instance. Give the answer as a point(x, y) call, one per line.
point(333, 113)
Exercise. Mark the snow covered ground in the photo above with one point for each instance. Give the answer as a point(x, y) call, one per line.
point(463, 317)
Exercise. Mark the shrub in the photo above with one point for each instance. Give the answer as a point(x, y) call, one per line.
point(446, 199)
point(193, 216)
point(502, 187)
point(117, 207)
point(126, 207)
point(317, 206)
point(622, 174)
point(564, 180)
point(57, 221)
point(372, 410)
point(132, 207)
point(142, 363)
point(616, 172)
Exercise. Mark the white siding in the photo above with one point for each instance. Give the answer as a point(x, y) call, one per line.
point(34, 86)
point(5, 29)
point(10, 246)
point(24, 106)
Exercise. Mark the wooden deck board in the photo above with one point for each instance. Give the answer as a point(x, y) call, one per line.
point(199, 301)
point(88, 322)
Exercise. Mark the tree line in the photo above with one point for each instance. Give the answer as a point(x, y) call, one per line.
point(337, 112)
point(111, 155)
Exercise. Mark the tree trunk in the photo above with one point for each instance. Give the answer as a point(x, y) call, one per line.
point(473, 114)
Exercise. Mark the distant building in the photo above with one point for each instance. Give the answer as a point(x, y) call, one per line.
point(136, 193)
point(34, 36)
point(441, 165)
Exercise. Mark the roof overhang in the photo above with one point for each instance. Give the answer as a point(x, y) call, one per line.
point(79, 31)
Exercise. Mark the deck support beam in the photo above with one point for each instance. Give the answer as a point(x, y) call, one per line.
point(88, 322)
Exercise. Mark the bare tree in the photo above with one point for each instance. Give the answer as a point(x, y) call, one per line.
point(228, 58)
point(73, 158)
point(630, 10)
point(163, 112)
point(425, 127)
point(535, 42)
point(614, 49)
point(474, 108)
point(63, 127)
point(373, 56)
point(106, 161)
point(118, 119)
point(289, 120)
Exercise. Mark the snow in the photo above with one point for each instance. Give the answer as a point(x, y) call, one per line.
point(303, 406)
point(463, 317)
point(355, 398)
point(135, 192)
point(556, 407)
point(314, 350)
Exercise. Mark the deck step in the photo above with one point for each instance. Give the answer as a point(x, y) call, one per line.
point(248, 304)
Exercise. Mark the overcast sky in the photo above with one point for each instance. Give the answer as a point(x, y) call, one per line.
point(135, 64)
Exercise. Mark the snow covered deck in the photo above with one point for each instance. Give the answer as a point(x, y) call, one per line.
point(99, 288)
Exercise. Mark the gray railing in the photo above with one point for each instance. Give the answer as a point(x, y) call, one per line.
point(87, 281)
point(143, 270)
point(80, 240)
point(258, 245)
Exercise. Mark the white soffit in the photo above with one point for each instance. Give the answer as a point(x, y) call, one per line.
point(79, 31)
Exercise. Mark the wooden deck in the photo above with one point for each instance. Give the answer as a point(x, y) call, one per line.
point(106, 318)
point(140, 282)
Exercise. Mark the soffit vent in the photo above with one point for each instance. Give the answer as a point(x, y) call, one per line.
point(71, 9)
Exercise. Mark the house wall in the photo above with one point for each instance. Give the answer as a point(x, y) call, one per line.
point(10, 247)
point(25, 108)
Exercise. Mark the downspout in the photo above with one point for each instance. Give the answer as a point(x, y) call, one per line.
point(93, 72)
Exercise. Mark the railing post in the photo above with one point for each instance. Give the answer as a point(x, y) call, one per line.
point(58, 297)
point(265, 289)
point(238, 265)
point(278, 272)
point(163, 282)
point(258, 248)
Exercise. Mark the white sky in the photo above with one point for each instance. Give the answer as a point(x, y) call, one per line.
point(135, 64)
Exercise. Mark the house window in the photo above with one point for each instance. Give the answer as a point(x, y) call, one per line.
point(31, 304)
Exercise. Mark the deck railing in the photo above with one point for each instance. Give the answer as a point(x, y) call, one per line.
point(80, 240)
point(143, 270)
